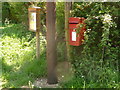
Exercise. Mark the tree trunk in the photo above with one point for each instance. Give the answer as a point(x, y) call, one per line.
point(51, 43)
point(67, 15)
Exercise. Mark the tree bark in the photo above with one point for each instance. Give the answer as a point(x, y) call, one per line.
point(51, 43)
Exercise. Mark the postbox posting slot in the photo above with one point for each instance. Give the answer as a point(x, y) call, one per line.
point(73, 23)
point(74, 20)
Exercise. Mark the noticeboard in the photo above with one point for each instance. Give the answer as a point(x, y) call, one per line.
point(32, 22)
point(34, 18)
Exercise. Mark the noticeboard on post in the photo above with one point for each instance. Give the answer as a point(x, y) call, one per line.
point(34, 18)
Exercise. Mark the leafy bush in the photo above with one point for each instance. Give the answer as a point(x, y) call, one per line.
point(5, 13)
point(95, 62)
point(60, 16)
point(97, 59)
point(19, 63)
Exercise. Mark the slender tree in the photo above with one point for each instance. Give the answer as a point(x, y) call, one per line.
point(51, 43)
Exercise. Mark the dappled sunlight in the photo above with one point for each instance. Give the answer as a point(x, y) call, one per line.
point(13, 51)
point(92, 64)
point(19, 57)
point(2, 82)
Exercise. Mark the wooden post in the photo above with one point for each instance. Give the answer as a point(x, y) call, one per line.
point(51, 43)
point(37, 45)
point(34, 25)
point(67, 15)
point(38, 34)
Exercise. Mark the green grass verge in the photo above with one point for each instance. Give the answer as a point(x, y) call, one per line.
point(19, 63)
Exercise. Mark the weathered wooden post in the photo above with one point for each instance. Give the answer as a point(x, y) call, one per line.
point(34, 25)
point(51, 43)
point(67, 15)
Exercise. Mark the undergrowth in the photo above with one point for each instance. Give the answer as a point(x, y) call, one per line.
point(19, 63)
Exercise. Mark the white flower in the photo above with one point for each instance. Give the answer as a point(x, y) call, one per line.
point(82, 76)
point(107, 18)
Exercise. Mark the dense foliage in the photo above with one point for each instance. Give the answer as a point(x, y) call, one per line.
point(97, 60)
point(14, 12)
point(95, 63)
point(60, 16)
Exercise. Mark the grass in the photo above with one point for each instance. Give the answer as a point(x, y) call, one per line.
point(77, 82)
point(21, 68)
point(19, 63)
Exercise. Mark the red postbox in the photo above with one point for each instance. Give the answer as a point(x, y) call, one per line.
point(76, 37)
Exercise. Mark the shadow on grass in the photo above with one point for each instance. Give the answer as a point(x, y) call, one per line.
point(25, 68)
point(28, 72)
point(19, 65)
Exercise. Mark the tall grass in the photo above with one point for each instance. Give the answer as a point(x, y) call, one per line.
point(19, 63)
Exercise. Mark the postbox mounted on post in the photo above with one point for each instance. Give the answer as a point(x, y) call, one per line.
point(34, 18)
point(76, 37)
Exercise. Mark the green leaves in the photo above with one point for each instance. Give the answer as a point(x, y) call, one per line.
point(19, 65)
point(99, 58)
